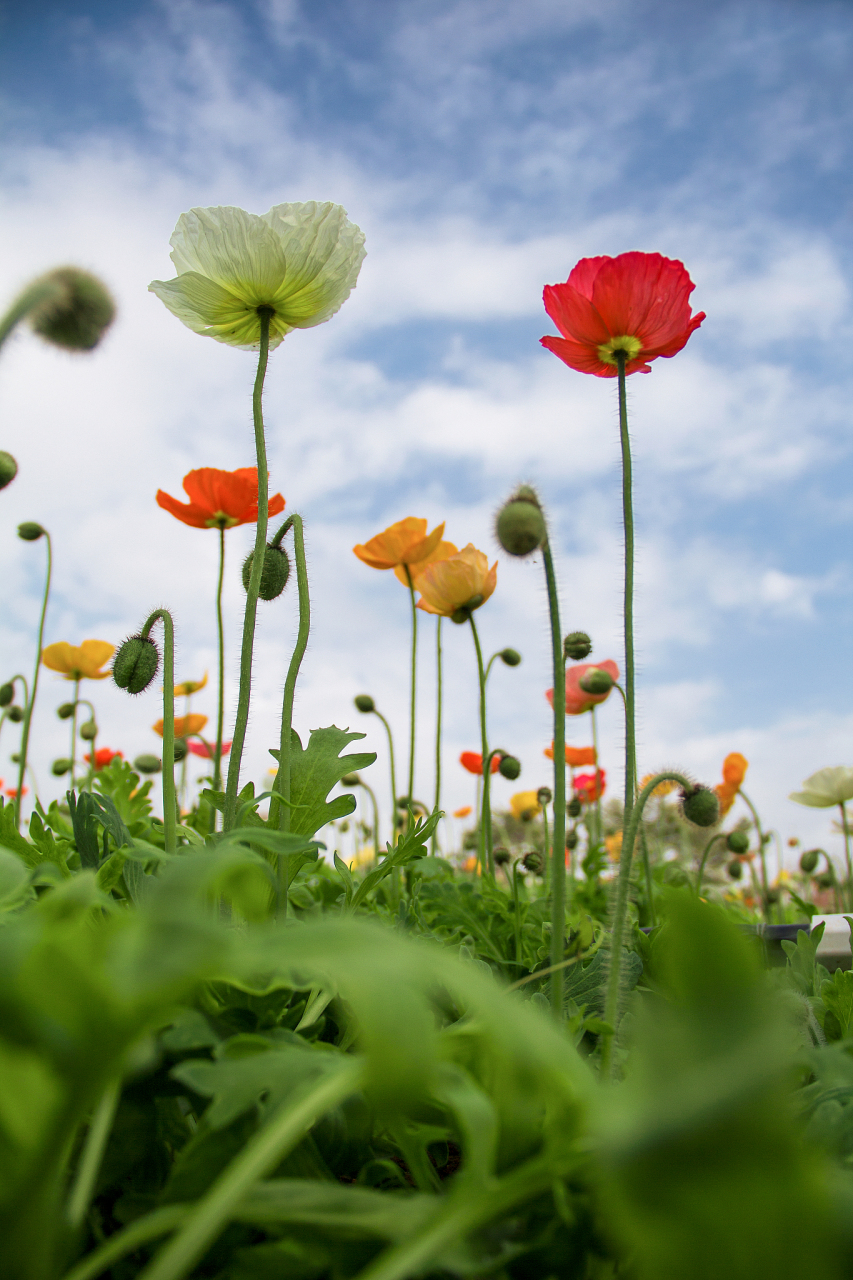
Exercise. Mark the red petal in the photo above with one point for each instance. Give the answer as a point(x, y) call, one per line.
point(574, 315)
point(584, 359)
point(188, 512)
point(582, 276)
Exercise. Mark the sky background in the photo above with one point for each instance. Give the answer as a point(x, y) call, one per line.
point(483, 148)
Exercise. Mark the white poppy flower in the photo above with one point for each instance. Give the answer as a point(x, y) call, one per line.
point(301, 260)
point(826, 787)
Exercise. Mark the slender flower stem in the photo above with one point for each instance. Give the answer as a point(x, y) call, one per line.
point(280, 810)
point(620, 912)
point(249, 618)
point(546, 850)
point(170, 803)
point(73, 749)
point(410, 792)
point(708, 847)
point(90, 1158)
point(765, 898)
point(628, 518)
point(40, 291)
point(31, 700)
point(393, 771)
point(845, 827)
point(438, 709)
point(375, 808)
point(220, 692)
point(558, 856)
point(484, 841)
point(599, 825)
point(515, 912)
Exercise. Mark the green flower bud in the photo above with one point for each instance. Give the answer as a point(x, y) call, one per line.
point(573, 808)
point(147, 764)
point(16, 714)
point(77, 314)
point(135, 665)
point(88, 731)
point(16, 759)
point(577, 646)
point(700, 806)
point(181, 748)
point(511, 657)
point(772, 896)
point(533, 861)
point(8, 468)
point(520, 526)
point(30, 531)
point(463, 613)
point(364, 702)
point(66, 711)
point(501, 857)
point(350, 780)
point(274, 574)
point(7, 693)
point(572, 839)
point(735, 869)
point(60, 766)
point(544, 795)
point(509, 767)
point(737, 841)
point(596, 681)
point(809, 860)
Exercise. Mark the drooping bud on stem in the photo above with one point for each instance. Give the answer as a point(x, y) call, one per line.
point(511, 657)
point(520, 525)
point(274, 574)
point(76, 311)
point(7, 693)
point(136, 663)
point(737, 842)
point(808, 860)
point(364, 703)
point(147, 764)
point(509, 767)
point(596, 681)
point(8, 468)
point(88, 731)
point(577, 646)
point(700, 806)
point(29, 531)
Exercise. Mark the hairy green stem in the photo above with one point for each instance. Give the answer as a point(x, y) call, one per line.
point(628, 519)
point(393, 769)
point(845, 827)
point(31, 700)
point(73, 748)
point(558, 856)
point(169, 798)
point(90, 1159)
point(280, 810)
point(438, 709)
point(765, 895)
point(375, 808)
point(708, 847)
point(220, 684)
point(599, 825)
point(249, 618)
point(40, 291)
point(484, 835)
point(410, 792)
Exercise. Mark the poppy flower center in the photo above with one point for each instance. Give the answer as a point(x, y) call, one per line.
point(625, 342)
point(219, 520)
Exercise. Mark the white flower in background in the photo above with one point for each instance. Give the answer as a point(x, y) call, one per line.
point(826, 787)
point(300, 260)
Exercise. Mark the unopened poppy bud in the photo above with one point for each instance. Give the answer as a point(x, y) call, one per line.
point(77, 314)
point(737, 841)
point(808, 860)
point(60, 766)
point(596, 681)
point(772, 896)
point(147, 764)
point(7, 693)
point(15, 714)
point(463, 613)
point(520, 526)
point(577, 646)
point(532, 861)
point(181, 748)
point(573, 808)
point(509, 767)
point(511, 657)
point(350, 780)
point(8, 468)
point(572, 839)
point(544, 796)
point(364, 702)
point(66, 711)
point(735, 869)
point(274, 574)
point(30, 531)
point(89, 730)
point(501, 857)
point(700, 806)
point(135, 665)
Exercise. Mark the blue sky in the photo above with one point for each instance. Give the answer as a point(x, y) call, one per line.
point(483, 148)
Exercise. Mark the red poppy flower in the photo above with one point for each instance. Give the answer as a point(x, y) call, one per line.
point(589, 787)
point(207, 749)
point(103, 756)
point(577, 699)
point(638, 303)
point(219, 499)
point(473, 762)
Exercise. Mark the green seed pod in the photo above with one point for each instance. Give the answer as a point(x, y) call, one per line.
point(78, 314)
point(30, 531)
point(7, 693)
point(8, 468)
point(572, 839)
point(596, 681)
point(809, 860)
point(772, 896)
point(364, 702)
point(735, 869)
point(511, 657)
point(737, 842)
point(520, 526)
point(147, 764)
point(501, 856)
point(135, 665)
point(573, 808)
point(577, 646)
point(700, 806)
point(544, 795)
point(350, 780)
point(533, 861)
point(60, 766)
point(16, 759)
point(88, 731)
point(16, 714)
point(181, 748)
point(274, 574)
point(509, 767)
point(66, 711)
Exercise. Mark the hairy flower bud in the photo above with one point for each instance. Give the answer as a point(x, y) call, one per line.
point(364, 702)
point(88, 731)
point(501, 856)
point(7, 693)
point(66, 710)
point(735, 869)
point(350, 780)
point(544, 795)
point(700, 806)
point(577, 646)
point(147, 764)
point(509, 767)
point(181, 748)
point(77, 313)
point(572, 839)
point(8, 468)
point(510, 656)
point(30, 531)
point(737, 842)
point(274, 574)
point(60, 766)
point(533, 861)
point(573, 808)
point(135, 664)
point(596, 681)
point(520, 526)
point(809, 859)
point(15, 714)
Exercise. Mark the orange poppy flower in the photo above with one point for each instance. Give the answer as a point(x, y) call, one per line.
point(638, 303)
point(734, 771)
point(219, 499)
point(77, 662)
point(473, 762)
point(457, 585)
point(463, 812)
point(403, 545)
point(184, 725)
point(577, 699)
point(575, 756)
point(662, 789)
point(103, 756)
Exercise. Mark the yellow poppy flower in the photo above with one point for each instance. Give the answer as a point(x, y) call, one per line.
point(190, 686)
point(458, 585)
point(403, 545)
point(525, 805)
point(79, 662)
point(184, 725)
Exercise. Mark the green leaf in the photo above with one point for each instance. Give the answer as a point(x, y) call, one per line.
point(315, 770)
point(804, 969)
point(15, 882)
point(413, 845)
point(837, 996)
point(11, 838)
